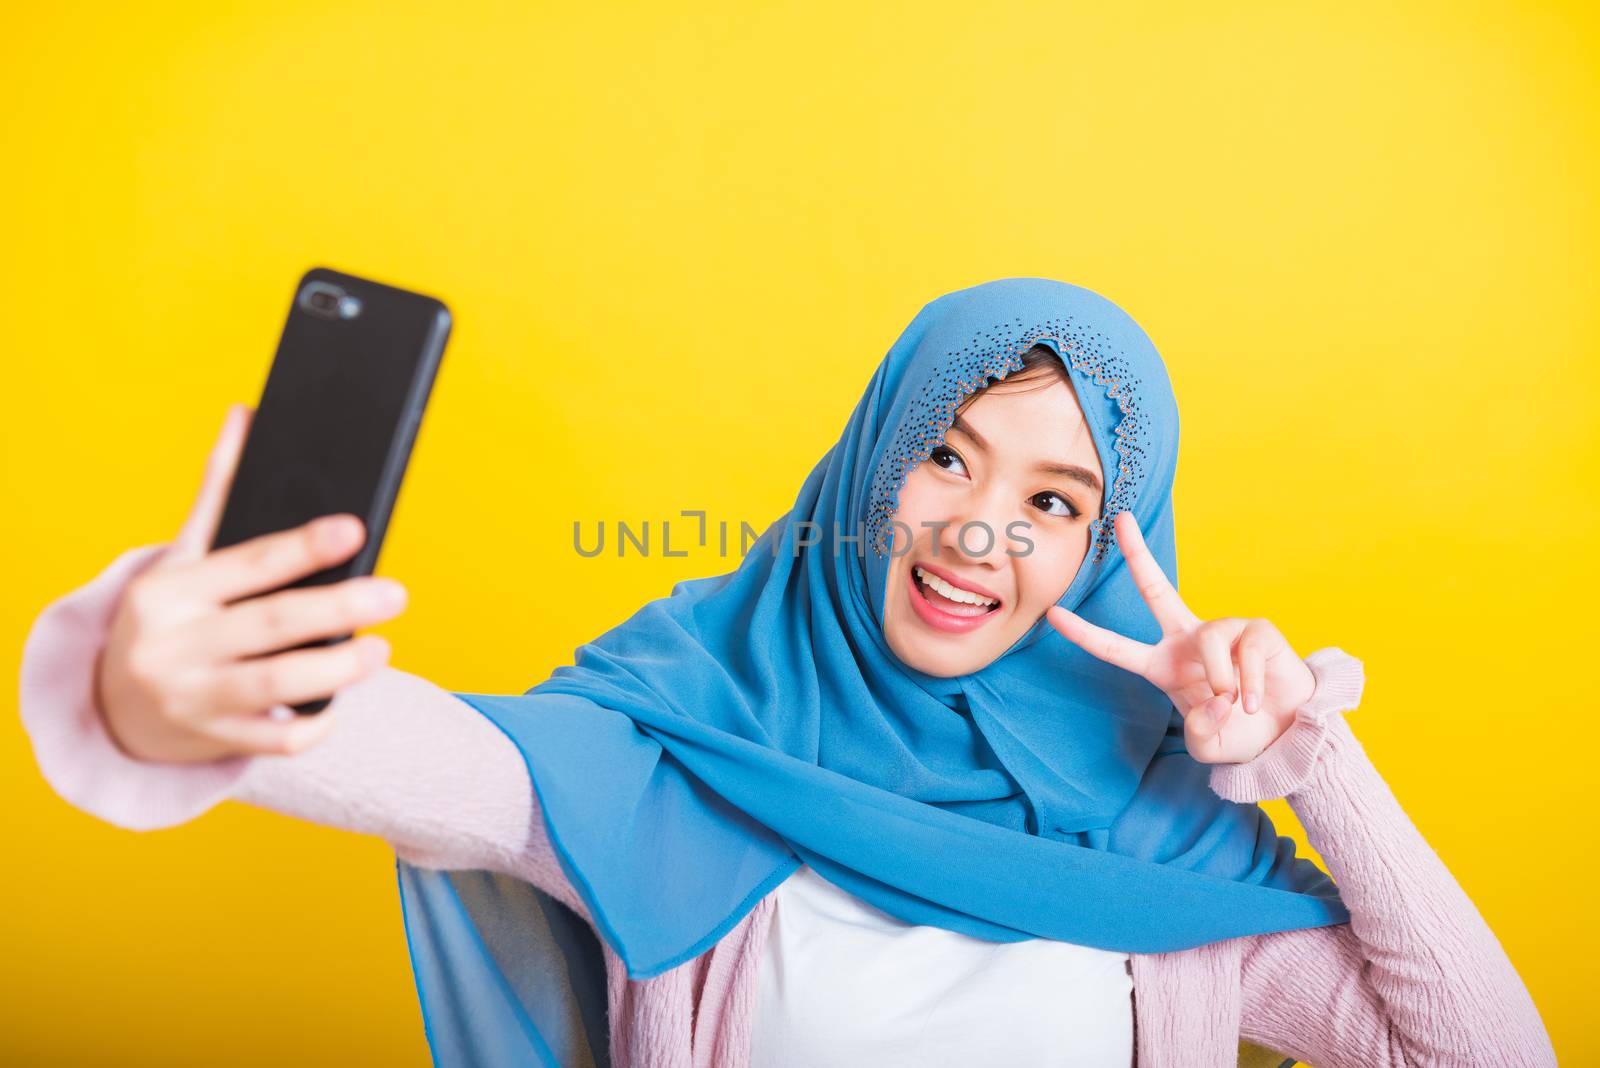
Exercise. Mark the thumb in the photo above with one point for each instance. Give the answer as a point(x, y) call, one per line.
point(194, 538)
point(1209, 716)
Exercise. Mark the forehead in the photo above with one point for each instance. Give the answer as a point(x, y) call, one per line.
point(1031, 418)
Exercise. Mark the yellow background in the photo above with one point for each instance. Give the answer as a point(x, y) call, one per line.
point(676, 245)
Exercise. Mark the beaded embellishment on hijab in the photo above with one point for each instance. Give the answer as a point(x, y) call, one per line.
point(989, 357)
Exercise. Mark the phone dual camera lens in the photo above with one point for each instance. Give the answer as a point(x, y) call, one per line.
point(329, 301)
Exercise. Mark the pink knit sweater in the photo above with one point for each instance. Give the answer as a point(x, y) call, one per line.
point(1415, 978)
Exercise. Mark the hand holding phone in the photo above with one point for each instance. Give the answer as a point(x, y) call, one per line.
point(338, 415)
point(251, 611)
point(190, 670)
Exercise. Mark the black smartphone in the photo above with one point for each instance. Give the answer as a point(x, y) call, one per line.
point(336, 420)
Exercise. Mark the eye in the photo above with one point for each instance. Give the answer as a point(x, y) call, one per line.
point(954, 463)
point(1065, 509)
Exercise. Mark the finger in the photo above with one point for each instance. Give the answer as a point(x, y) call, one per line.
point(1250, 651)
point(1107, 645)
point(261, 733)
point(266, 562)
point(293, 677)
point(194, 537)
point(290, 617)
point(1215, 641)
point(1205, 721)
point(1153, 584)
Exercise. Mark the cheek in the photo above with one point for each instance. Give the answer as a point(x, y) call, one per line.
point(1045, 573)
point(920, 498)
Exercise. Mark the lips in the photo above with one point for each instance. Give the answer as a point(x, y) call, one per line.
point(959, 583)
point(955, 620)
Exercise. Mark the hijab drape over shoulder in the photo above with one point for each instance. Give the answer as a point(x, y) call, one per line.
point(696, 754)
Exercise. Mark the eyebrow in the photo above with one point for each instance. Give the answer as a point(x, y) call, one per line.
point(1049, 467)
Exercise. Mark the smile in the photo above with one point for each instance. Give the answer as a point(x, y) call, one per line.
point(942, 604)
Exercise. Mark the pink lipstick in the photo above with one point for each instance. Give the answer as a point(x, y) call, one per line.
point(941, 613)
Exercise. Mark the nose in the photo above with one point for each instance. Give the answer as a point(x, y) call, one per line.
point(976, 531)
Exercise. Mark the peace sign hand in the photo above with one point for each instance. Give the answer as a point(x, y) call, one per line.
point(1237, 682)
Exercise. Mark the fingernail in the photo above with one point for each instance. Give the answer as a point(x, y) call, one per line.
point(384, 594)
point(337, 531)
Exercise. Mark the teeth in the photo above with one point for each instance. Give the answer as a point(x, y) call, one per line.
point(947, 590)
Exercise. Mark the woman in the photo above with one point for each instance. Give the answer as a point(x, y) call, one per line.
point(942, 773)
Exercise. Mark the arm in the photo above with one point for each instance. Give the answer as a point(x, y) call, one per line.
point(405, 760)
point(1416, 977)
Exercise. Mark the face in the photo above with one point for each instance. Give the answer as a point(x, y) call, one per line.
point(1017, 466)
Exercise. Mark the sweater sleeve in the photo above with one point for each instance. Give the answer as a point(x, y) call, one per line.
point(405, 760)
point(1416, 977)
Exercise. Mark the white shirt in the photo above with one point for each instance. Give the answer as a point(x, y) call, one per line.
point(845, 984)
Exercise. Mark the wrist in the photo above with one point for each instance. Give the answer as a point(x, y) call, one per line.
point(72, 741)
point(98, 707)
point(1340, 679)
point(1287, 764)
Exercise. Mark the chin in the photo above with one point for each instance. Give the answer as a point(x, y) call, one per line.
point(928, 658)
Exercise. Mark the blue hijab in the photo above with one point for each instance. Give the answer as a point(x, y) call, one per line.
point(695, 755)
